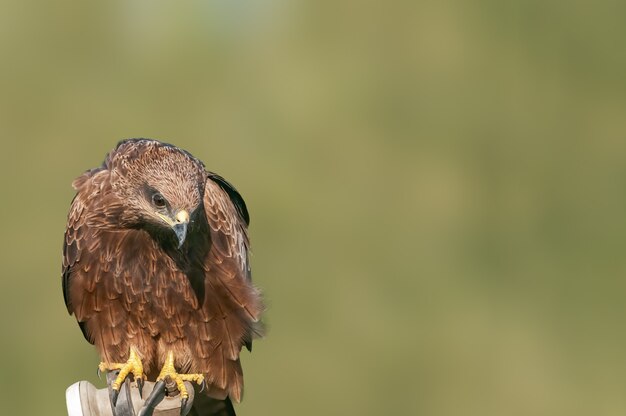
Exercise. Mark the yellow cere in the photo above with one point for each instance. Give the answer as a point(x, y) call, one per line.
point(182, 216)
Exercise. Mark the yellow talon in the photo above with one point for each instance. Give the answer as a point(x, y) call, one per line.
point(168, 370)
point(132, 366)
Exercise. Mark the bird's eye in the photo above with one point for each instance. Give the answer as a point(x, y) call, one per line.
point(158, 200)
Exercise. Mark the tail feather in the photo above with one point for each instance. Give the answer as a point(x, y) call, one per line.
point(207, 406)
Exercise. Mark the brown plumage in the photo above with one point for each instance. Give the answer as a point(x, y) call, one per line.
point(131, 278)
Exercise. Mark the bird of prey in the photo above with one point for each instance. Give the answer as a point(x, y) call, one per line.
point(156, 271)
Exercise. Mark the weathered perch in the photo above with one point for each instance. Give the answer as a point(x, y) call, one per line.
point(84, 399)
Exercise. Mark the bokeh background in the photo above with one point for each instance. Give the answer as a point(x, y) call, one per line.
point(437, 190)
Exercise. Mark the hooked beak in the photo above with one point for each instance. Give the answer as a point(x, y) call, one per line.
point(180, 226)
point(178, 223)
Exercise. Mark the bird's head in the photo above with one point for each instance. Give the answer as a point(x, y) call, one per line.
point(167, 213)
point(160, 187)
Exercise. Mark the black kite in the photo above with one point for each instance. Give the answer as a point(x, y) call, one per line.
point(155, 268)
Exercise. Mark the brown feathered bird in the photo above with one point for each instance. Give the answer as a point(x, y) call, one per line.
point(156, 271)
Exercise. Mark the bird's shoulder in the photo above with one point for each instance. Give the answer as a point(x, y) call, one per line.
point(228, 221)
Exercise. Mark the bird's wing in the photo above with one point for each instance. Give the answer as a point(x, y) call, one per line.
point(88, 186)
point(229, 254)
point(233, 194)
point(97, 281)
point(76, 234)
point(233, 311)
point(72, 245)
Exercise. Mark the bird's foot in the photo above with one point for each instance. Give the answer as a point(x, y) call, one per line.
point(168, 375)
point(132, 366)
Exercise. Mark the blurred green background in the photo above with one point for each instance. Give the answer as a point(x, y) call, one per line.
point(437, 191)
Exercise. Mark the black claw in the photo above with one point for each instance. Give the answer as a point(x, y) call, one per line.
point(183, 405)
point(140, 386)
point(187, 403)
point(158, 393)
point(113, 397)
point(146, 411)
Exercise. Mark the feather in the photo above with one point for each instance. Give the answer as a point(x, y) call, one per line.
point(128, 283)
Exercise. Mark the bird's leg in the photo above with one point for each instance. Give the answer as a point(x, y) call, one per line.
point(168, 371)
point(132, 366)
